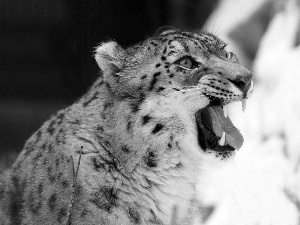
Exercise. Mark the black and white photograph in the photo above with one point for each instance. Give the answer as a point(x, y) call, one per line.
point(139, 112)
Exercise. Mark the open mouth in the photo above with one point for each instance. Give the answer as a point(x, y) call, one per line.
point(216, 132)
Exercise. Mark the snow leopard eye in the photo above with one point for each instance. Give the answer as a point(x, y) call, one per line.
point(225, 54)
point(187, 62)
point(229, 55)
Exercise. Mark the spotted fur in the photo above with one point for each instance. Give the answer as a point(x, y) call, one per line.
point(137, 129)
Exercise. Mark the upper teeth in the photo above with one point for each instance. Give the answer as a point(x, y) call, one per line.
point(225, 110)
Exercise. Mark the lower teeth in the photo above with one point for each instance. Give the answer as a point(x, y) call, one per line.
point(243, 104)
point(222, 140)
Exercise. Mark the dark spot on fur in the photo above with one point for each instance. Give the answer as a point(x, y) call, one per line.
point(97, 164)
point(125, 149)
point(113, 165)
point(150, 159)
point(157, 128)
point(77, 122)
point(51, 174)
point(51, 128)
point(134, 216)
point(128, 127)
point(78, 190)
point(153, 43)
point(52, 202)
point(165, 50)
point(60, 117)
point(105, 199)
point(144, 76)
point(149, 182)
point(40, 188)
point(176, 89)
point(136, 103)
point(38, 136)
point(65, 183)
point(163, 58)
point(154, 219)
point(146, 119)
point(29, 148)
point(57, 161)
point(107, 143)
point(169, 145)
point(83, 213)
point(100, 129)
point(16, 205)
point(171, 75)
point(179, 165)
point(50, 148)
point(157, 65)
point(160, 89)
point(45, 161)
point(154, 80)
point(36, 157)
point(135, 107)
point(95, 95)
point(35, 202)
point(2, 190)
point(62, 213)
point(60, 136)
point(171, 53)
point(59, 175)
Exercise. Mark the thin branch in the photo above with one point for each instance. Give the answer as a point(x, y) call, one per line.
point(74, 179)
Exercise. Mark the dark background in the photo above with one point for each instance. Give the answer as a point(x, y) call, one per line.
point(46, 52)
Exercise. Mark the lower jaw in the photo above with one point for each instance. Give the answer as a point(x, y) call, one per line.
point(208, 141)
point(221, 155)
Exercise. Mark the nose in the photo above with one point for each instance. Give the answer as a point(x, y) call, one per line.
point(244, 83)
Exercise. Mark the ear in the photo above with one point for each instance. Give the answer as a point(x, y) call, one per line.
point(109, 57)
point(165, 30)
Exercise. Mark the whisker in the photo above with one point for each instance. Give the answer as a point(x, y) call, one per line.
point(195, 97)
point(185, 90)
point(192, 97)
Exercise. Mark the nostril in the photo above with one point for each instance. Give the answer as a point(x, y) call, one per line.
point(242, 82)
point(239, 83)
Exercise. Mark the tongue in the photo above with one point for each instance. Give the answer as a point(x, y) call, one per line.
point(214, 119)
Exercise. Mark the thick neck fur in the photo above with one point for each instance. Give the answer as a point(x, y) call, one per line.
point(157, 150)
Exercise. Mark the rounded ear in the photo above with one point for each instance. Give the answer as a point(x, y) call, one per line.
point(165, 30)
point(109, 55)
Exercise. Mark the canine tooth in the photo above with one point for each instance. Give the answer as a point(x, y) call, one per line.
point(222, 140)
point(225, 110)
point(244, 101)
point(250, 89)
